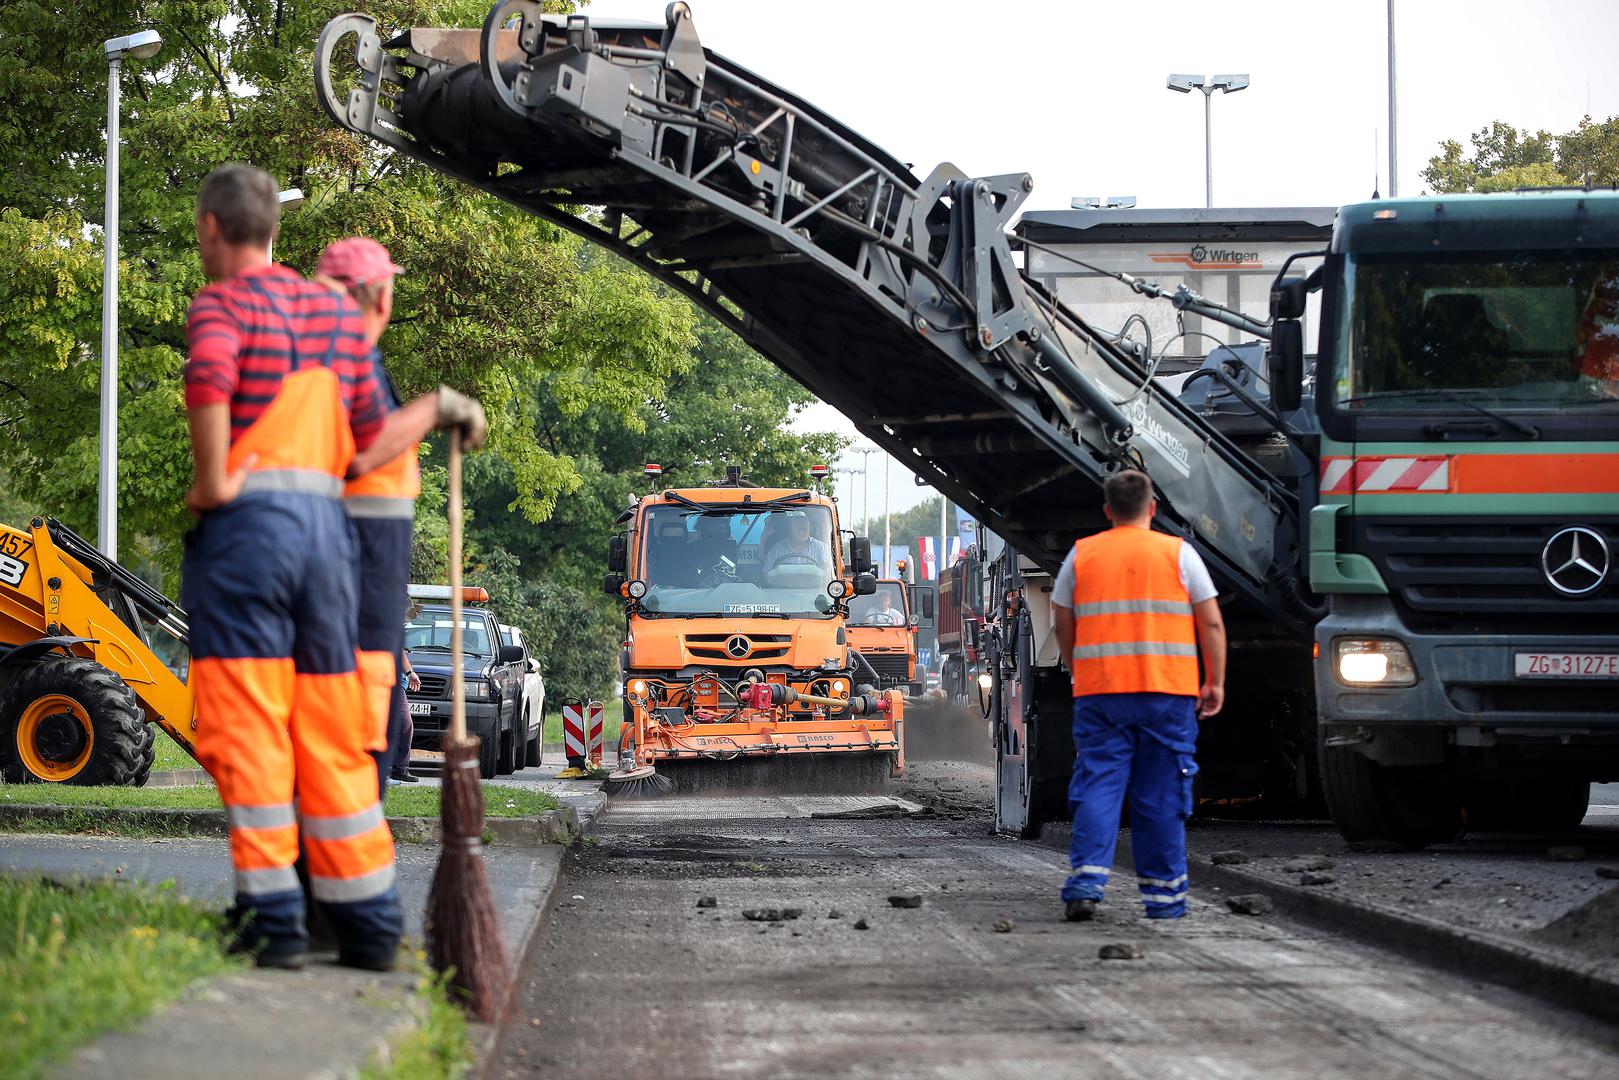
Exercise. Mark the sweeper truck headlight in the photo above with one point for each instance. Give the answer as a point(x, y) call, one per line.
point(1372, 662)
point(637, 688)
point(986, 681)
point(636, 589)
point(836, 589)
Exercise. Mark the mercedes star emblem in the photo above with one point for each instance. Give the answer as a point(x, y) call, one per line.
point(738, 647)
point(1575, 561)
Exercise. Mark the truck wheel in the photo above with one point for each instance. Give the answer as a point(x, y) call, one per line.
point(71, 721)
point(1519, 803)
point(489, 755)
point(1380, 806)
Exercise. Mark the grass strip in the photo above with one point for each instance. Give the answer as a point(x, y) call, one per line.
point(500, 800)
point(80, 959)
point(612, 721)
point(169, 756)
point(440, 1047)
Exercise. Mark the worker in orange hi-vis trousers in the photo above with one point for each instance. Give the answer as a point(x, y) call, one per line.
point(280, 390)
point(382, 505)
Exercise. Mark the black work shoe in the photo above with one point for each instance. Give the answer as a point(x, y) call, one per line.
point(405, 776)
point(285, 961)
point(1080, 910)
point(370, 959)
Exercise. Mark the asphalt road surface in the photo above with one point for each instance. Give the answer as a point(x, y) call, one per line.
point(631, 978)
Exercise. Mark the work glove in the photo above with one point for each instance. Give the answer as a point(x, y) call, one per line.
point(456, 410)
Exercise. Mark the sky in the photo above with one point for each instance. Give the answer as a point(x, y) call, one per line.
point(1072, 91)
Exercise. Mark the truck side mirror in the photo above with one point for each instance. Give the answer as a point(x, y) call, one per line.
point(865, 583)
point(613, 584)
point(860, 556)
point(618, 552)
point(512, 654)
point(1287, 299)
point(927, 604)
point(1286, 364)
point(922, 602)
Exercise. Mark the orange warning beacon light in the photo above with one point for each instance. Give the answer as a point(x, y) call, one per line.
point(469, 594)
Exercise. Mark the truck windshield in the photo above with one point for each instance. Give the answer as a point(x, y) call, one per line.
point(429, 629)
point(725, 562)
point(1503, 331)
point(885, 607)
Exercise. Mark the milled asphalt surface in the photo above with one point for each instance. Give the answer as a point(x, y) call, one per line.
point(629, 977)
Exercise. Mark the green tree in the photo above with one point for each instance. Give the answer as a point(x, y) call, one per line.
point(1504, 158)
point(493, 300)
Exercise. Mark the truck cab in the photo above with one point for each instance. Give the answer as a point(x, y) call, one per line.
point(1464, 531)
point(736, 606)
point(493, 674)
point(883, 630)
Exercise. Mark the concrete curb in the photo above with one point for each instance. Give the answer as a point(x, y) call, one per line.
point(1589, 986)
point(550, 827)
point(178, 778)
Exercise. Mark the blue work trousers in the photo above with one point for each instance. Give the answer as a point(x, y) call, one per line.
point(1140, 745)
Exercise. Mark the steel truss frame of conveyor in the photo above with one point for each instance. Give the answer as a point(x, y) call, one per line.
point(896, 301)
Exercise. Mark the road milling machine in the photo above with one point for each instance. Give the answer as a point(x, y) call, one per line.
point(80, 684)
point(737, 668)
point(1339, 500)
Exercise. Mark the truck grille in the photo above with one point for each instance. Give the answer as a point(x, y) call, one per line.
point(890, 668)
point(1485, 571)
point(761, 646)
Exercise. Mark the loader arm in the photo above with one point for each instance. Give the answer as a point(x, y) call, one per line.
point(897, 300)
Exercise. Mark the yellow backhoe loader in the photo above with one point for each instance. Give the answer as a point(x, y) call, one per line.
point(80, 684)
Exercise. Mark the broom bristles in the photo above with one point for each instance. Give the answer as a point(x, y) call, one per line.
point(463, 926)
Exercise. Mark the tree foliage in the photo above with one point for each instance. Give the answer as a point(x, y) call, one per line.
point(1504, 158)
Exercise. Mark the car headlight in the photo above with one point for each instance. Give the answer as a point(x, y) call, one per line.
point(837, 589)
point(986, 681)
point(477, 690)
point(1373, 662)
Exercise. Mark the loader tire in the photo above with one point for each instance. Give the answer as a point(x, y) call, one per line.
point(67, 720)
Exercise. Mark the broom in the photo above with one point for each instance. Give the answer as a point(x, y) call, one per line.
point(634, 781)
point(463, 928)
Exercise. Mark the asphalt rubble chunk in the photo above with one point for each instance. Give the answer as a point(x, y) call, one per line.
point(1608, 873)
point(1120, 950)
point(1250, 904)
point(911, 900)
point(1305, 863)
point(861, 924)
point(1314, 877)
point(1229, 858)
point(1003, 926)
point(707, 901)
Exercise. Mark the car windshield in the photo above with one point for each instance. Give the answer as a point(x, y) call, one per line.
point(430, 629)
point(1503, 331)
point(885, 607)
point(738, 562)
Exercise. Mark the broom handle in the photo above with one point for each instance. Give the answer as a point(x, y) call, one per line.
point(458, 687)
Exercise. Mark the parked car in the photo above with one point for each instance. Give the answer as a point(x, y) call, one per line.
point(493, 672)
point(533, 710)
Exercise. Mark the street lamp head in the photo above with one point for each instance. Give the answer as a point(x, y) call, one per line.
point(1230, 83)
point(1184, 84)
point(291, 199)
point(142, 45)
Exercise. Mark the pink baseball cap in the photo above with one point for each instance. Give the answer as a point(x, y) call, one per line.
point(357, 260)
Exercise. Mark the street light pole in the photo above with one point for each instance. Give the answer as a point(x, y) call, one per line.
point(888, 524)
point(865, 453)
point(1394, 142)
point(1229, 84)
point(140, 45)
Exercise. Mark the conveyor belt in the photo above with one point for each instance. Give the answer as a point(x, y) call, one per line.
point(896, 300)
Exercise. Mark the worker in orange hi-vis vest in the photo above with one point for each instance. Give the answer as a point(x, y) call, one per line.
point(282, 402)
point(1133, 607)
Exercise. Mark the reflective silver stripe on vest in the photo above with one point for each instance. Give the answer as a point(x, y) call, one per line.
point(276, 879)
point(276, 816)
point(349, 890)
point(344, 826)
point(380, 506)
point(1134, 607)
point(307, 481)
point(1134, 648)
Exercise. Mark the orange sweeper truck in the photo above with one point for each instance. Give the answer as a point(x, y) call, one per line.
point(736, 663)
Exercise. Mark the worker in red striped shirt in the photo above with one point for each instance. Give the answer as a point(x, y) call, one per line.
point(282, 401)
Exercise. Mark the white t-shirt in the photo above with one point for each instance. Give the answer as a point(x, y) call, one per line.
point(1194, 575)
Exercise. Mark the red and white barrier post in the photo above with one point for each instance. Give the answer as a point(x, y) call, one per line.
point(593, 734)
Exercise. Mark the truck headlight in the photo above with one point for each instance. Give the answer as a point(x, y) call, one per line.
point(1373, 662)
point(986, 681)
point(478, 690)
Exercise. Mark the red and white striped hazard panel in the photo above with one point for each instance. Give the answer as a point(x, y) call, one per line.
point(582, 731)
point(1384, 475)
